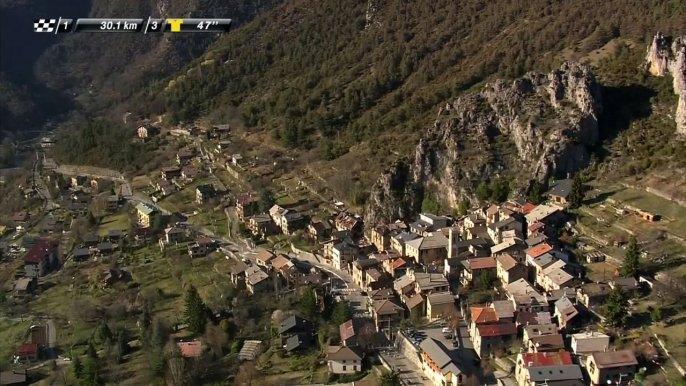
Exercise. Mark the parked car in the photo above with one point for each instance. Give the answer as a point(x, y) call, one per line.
point(446, 330)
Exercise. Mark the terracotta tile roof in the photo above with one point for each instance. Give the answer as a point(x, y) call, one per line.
point(538, 250)
point(527, 208)
point(497, 329)
point(399, 262)
point(265, 256)
point(347, 330)
point(190, 349)
point(546, 359)
point(483, 315)
point(27, 349)
point(482, 263)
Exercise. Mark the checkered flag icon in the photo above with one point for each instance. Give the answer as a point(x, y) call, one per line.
point(44, 25)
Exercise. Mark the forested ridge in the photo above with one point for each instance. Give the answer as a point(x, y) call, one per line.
point(42, 75)
point(352, 71)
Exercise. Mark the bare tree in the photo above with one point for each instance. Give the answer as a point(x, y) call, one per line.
point(454, 319)
point(216, 339)
point(473, 380)
point(367, 338)
point(248, 375)
point(487, 367)
point(176, 374)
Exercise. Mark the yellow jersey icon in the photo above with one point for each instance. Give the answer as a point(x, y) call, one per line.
point(175, 24)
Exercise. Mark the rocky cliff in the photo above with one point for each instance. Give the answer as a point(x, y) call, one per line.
point(538, 126)
point(668, 56)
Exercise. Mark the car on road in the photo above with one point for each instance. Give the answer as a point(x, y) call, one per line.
point(446, 330)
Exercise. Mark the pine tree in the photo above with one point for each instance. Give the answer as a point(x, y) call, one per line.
point(616, 308)
point(576, 196)
point(308, 303)
point(90, 351)
point(195, 312)
point(341, 313)
point(91, 373)
point(631, 266)
point(77, 367)
point(483, 192)
point(536, 193)
point(463, 207)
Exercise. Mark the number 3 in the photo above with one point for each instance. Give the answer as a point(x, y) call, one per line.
point(154, 25)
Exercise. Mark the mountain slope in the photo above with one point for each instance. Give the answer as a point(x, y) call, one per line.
point(101, 69)
point(355, 71)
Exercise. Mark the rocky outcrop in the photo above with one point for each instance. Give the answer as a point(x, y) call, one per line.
point(667, 55)
point(538, 126)
point(393, 196)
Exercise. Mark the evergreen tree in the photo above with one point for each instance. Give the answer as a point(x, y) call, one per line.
point(91, 373)
point(616, 308)
point(195, 312)
point(341, 313)
point(308, 303)
point(431, 205)
point(144, 324)
point(536, 193)
point(91, 352)
point(104, 334)
point(463, 207)
point(483, 192)
point(266, 200)
point(77, 367)
point(576, 196)
point(499, 190)
point(631, 265)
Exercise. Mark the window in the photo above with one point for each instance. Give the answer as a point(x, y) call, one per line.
point(344, 367)
point(343, 361)
point(354, 368)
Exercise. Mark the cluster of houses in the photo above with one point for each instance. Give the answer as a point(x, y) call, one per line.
point(273, 272)
point(419, 269)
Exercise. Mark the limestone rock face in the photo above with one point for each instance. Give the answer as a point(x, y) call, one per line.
point(667, 55)
point(537, 126)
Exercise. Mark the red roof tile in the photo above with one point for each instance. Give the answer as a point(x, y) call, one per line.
point(27, 349)
point(190, 349)
point(538, 250)
point(482, 263)
point(347, 330)
point(38, 251)
point(527, 208)
point(399, 262)
point(497, 329)
point(546, 359)
point(483, 315)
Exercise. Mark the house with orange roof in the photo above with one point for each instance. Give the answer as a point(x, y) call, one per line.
point(537, 251)
point(474, 268)
point(481, 315)
point(395, 267)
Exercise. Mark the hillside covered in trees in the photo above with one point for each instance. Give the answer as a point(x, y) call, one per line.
point(375, 71)
point(42, 75)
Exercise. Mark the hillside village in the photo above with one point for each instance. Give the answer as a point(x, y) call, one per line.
point(503, 292)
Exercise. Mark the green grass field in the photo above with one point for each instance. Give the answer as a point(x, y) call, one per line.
point(12, 334)
point(119, 220)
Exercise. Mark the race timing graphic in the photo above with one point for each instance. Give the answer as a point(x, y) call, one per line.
point(145, 26)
